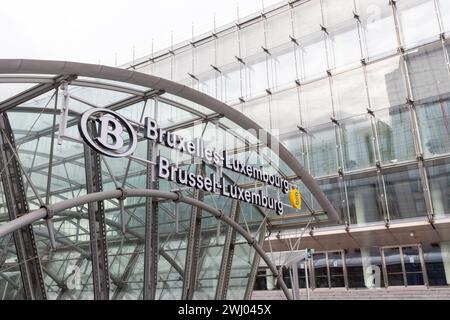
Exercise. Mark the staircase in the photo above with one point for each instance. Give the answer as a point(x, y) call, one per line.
point(391, 293)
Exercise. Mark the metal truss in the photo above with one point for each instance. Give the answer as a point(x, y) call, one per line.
point(193, 246)
point(16, 201)
point(228, 254)
point(116, 194)
point(97, 226)
point(151, 248)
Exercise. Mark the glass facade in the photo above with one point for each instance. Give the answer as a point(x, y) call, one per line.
point(359, 91)
point(366, 80)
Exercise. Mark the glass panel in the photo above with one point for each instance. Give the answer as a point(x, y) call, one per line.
point(428, 73)
point(414, 28)
point(285, 111)
point(355, 271)
point(434, 119)
point(313, 56)
point(251, 39)
point(357, 143)
point(322, 150)
point(207, 83)
point(439, 182)
point(335, 264)
point(378, 27)
point(444, 8)
point(204, 57)
point(284, 64)
point(437, 263)
point(183, 63)
point(163, 68)
point(364, 199)
point(413, 267)
point(386, 83)
point(258, 110)
point(256, 75)
point(394, 134)
point(320, 270)
point(349, 94)
point(307, 18)
point(227, 48)
point(278, 29)
point(316, 102)
point(404, 193)
point(334, 190)
point(231, 83)
point(335, 11)
point(344, 42)
point(393, 266)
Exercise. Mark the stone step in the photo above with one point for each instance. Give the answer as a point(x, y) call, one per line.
point(391, 293)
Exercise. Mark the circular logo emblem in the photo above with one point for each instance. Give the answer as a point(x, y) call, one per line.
point(106, 132)
point(296, 198)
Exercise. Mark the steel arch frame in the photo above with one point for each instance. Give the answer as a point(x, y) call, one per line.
point(73, 69)
point(50, 210)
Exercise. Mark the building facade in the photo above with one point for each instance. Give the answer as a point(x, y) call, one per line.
point(358, 91)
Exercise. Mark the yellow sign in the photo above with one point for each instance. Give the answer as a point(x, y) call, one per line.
point(296, 198)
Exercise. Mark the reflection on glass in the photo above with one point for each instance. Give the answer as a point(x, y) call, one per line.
point(414, 28)
point(413, 266)
point(322, 150)
point(364, 199)
point(357, 143)
point(437, 262)
point(344, 41)
point(335, 264)
point(320, 270)
point(404, 193)
point(386, 83)
point(439, 181)
point(394, 268)
point(434, 119)
point(394, 134)
point(334, 190)
point(378, 27)
point(428, 73)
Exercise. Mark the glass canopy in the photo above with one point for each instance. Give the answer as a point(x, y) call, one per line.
point(107, 249)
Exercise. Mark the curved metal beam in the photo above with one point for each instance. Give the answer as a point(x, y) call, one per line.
point(49, 210)
point(64, 68)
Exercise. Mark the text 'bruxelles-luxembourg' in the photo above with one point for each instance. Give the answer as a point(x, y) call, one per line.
point(197, 148)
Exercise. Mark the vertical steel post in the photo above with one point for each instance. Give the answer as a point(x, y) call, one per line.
point(227, 255)
point(17, 205)
point(193, 247)
point(97, 226)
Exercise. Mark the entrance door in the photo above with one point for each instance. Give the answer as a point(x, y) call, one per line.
point(403, 266)
point(329, 269)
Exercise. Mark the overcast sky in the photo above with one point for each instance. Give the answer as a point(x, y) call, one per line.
point(97, 30)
